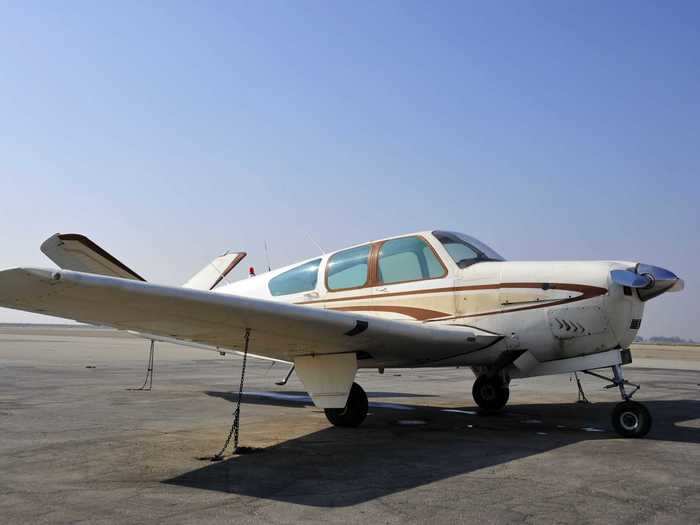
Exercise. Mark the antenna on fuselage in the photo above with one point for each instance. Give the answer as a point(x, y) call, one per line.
point(315, 243)
point(267, 257)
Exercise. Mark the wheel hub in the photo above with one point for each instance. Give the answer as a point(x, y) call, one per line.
point(488, 392)
point(629, 420)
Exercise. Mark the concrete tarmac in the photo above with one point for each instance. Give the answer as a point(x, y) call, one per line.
point(76, 446)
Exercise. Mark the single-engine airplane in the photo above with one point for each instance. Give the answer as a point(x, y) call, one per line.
point(426, 299)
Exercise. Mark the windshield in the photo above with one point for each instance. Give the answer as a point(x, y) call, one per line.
point(466, 250)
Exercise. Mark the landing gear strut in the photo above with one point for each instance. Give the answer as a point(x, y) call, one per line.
point(354, 412)
point(629, 418)
point(490, 393)
point(581, 394)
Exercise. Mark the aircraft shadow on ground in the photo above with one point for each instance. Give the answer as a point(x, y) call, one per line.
point(296, 398)
point(389, 453)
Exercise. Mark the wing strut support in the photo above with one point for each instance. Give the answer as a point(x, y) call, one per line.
point(149, 372)
point(236, 425)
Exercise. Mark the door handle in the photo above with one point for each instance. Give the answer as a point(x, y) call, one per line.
point(382, 289)
point(311, 295)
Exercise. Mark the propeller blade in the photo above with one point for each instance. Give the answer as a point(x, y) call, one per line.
point(629, 279)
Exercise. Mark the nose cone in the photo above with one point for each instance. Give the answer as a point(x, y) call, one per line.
point(650, 281)
point(660, 280)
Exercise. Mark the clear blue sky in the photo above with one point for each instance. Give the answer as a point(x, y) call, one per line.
point(174, 131)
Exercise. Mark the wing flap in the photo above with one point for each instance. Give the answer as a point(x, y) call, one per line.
point(279, 330)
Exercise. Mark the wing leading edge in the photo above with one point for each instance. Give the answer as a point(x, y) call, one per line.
point(278, 330)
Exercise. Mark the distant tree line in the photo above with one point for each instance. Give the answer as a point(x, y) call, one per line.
point(664, 339)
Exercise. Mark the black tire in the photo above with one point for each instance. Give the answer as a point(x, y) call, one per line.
point(490, 393)
point(631, 419)
point(355, 410)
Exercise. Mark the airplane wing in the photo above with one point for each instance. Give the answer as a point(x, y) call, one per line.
point(278, 330)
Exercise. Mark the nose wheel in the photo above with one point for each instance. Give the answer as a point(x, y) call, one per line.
point(630, 419)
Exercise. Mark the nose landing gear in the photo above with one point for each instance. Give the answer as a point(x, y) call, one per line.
point(629, 418)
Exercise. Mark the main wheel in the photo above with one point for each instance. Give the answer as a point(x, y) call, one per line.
point(355, 410)
point(631, 419)
point(490, 393)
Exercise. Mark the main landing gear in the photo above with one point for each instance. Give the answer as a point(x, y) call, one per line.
point(355, 410)
point(491, 393)
point(629, 418)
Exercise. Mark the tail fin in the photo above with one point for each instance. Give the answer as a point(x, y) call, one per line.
point(213, 273)
point(72, 251)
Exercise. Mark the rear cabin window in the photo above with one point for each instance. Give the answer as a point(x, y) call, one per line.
point(300, 279)
point(348, 269)
point(408, 259)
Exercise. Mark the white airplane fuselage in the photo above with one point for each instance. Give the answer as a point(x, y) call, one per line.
point(554, 310)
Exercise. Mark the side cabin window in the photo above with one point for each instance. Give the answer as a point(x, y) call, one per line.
point(408, 259)
point(300, 279)
point(348, 269)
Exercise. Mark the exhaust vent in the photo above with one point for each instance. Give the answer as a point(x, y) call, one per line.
point(571, 322)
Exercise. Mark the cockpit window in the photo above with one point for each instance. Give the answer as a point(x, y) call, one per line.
point(408, 259)
point(466, 250)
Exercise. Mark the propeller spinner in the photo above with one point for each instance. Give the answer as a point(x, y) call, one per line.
point(649, 281)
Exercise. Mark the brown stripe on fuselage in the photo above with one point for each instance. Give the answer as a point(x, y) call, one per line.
point(420, 314)
point(586, 292)
point(550, 286)
point(397, 294)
